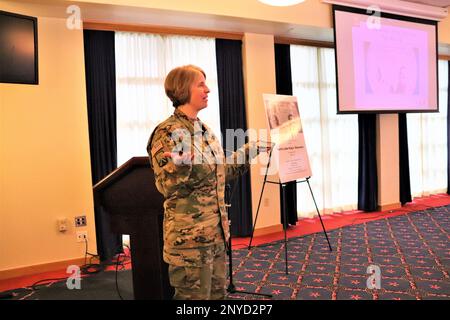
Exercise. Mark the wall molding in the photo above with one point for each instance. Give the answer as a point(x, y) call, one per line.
point(40, 268)
point(93, 25)
point(391, 206)
point(304, 42)
point(268, 230)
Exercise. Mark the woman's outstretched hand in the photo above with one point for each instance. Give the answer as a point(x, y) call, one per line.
point(180, 158)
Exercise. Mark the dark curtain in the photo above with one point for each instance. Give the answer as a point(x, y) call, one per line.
point(101, 102)
point(367, 163)
point(284, 86)
point(233, 116)
point(405, 185)
point(448, 131)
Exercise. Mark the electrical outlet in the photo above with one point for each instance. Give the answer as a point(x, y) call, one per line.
point(82, 236)
point(80, 221)
point(62, 224)
point(266, 202)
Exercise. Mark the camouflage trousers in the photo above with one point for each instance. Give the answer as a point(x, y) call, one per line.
point(206, 281)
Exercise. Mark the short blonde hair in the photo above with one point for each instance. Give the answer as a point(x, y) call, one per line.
point(178, 83)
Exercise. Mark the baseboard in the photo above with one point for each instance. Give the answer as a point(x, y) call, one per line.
point(268, 230)
point(391, 206)
point(39, 268)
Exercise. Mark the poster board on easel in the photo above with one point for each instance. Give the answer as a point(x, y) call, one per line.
point(290, 154)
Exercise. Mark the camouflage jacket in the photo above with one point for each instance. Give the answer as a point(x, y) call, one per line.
point(194, 206)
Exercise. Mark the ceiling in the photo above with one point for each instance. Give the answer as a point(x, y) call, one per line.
point(436, 3)
point(142, 16)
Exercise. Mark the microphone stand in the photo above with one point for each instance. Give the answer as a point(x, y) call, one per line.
point(231, 287)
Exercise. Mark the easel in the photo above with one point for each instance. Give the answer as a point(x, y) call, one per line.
point(283, 186)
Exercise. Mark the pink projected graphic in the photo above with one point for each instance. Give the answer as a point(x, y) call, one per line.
point(390, 67)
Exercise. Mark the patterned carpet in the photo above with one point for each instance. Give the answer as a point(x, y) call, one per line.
point(412, 252)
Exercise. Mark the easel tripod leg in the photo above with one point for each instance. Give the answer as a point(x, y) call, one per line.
point(317, 209)
point(259, 202)
point(283, 191)
point(257, 213)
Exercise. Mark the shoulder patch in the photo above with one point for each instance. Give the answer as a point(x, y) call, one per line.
point(157, 147)
point(159, 157)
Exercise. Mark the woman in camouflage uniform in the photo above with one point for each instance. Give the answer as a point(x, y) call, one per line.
point(190, 171)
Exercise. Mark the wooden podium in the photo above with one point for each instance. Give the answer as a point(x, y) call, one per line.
point(130, 197)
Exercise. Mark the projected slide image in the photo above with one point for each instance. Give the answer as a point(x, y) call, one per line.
point(400, 78)
point(390, 67)
point(388, 64)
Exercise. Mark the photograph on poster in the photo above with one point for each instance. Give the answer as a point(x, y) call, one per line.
point(282, 113)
